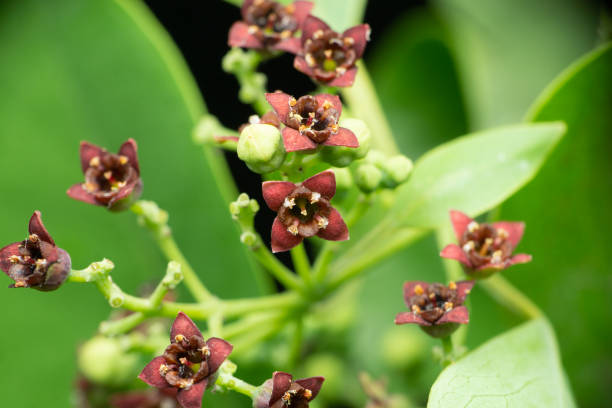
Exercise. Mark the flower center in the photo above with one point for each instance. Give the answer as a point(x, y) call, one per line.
point(314, 120)
point(107, 174)
point(297, 397)
point(30, 266)
point(329, 52)
point(484, 244)
point(433, 302)
point(186, 361)
point(304, 212)
point(270, 21)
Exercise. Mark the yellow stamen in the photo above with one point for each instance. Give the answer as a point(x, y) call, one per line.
point(307, 394)
point(448, 305)
point(292, 102)
point(485, 246)
point(418, 290)
point(452, 286)
point(473, 226)
point(94, 162)
point(108, 174)
point(179, 337)
point(123, 160)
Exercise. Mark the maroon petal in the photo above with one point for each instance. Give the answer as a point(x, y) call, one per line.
point(274, 193)
point(132, 191)
point(344, 137)
point(514, 229)
point(493, 267)
point(458, 314)
point(312, 24)
point(336, 229)
point(520, 258)
point(185, 326)
point(453, 251)
point(87, 152)
point(291, 45)
point(323, 183)
point(79, 193)
point(302, 10)
point(333, 99)
point(410, 317)
point(345, 79)
point(409, 289)
point(313, 384)
point(280, 103)
point(219, 350)
point(280, 384)
point(131, 400)
point(460, 222)
point(129, 149)
point(295, 141)
point(245, 6)
point(463, 289)
point(239, 36)
point(150, 374)
point(301, 65)
point(281, 239)
point(192, 397)
point(6, 253)
point(361, 35)
point(37, 227)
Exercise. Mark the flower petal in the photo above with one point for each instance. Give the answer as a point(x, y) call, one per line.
point(345, 79)
point(274, 193)
point(323, 183)
point(280, 103)
point(410, 317)
point(453, 251)
point(126, 196)
point(185, 326)
point(333, 99)
point(270, 118)
point(245, 6)
point(239, 36)
point(295, 141)
point(192, 397)
point(515, 231)
point(313, 384)
point(360, 35)
point(281, 239)
point(463, 289)
point(520, 258)
point(460, 222)
point(409, 290)
point(6, 253)
point(77, 192)
point(150, 374)
point(344, 137)
point(219, 350)
point(87, 152)
point(281, 382)
point(301, 65)
point(291, 45)
point(458, 314)
point(336, 229)
point(312, 24)
point(129, 149)
point(302, 11)
point(37, 227)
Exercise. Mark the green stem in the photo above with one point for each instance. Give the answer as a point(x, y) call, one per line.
point(275, 267)
point(447, 347)
point(238, 307)
point(249, 323)
point(296, 344)
point(364, 104)
point(506, 294)
point(229, 382)
point(124, 325)
point(301, 263)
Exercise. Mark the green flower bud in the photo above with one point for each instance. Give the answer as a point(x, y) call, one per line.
point(344, 180)
point(397, 170)
point(261, 147)
point(367, 177)
point(103, 361)
point(341, 156)
point(377, 158)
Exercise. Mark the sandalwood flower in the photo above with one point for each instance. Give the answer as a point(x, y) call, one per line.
point(328, 56)
point(282, 392)
point(188, 363)
point(304, 211)
point(311, 121)
point(35, 262)
point(269, 25)
point(436, 308)
point(111, 180)
point(485, 248)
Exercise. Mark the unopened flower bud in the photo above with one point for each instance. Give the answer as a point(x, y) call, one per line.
point(397, 169)
point(103, 361)
point(342, 156)
point(261, 148)
point(344, 180)
point(367, 177)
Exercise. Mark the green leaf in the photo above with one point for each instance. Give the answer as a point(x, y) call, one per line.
point(571, 198)
point(519, 368)
point(340, 14)
point(474, 173)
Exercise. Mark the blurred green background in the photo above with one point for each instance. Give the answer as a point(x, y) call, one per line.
point(104, 71)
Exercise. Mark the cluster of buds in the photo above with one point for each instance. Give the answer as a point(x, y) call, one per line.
point(377, 171)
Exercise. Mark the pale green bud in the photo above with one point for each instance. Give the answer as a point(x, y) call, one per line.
point(367, 177)
point(344, 180)
point(103, 361)
point(341, 156)
point(377, 158)
point(261, 147)
point(397, 169)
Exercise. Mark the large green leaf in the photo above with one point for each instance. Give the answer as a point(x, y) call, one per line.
point(474, 173)
point(518, 369)
point(567, 212)
point(101, 71)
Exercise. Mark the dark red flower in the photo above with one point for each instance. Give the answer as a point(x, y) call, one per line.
point(188, 362)
point(328, 56)
point(35, 262)
point(282, 392)
point(485, 248)
point(311, 121)
point(269, 25)
point(438, 309)
point(146, 399)
point(111, 180)
point(304, 211)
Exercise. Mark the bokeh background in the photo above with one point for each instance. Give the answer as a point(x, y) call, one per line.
point(104, 71)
